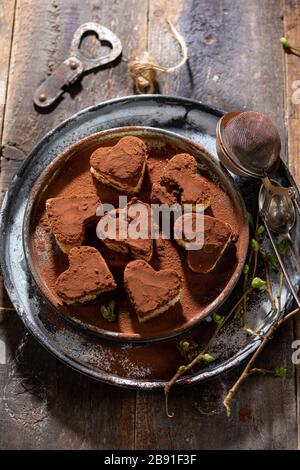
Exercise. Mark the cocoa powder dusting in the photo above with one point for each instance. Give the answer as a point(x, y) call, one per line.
point(181, 183)
point(198, 290)
point(122, 162)
point(87, 274)
point(69, 216)
point(148, 289)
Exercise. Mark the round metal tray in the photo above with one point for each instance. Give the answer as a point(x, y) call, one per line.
point(123, 364)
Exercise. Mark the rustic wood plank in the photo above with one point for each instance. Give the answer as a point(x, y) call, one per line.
point(7, 13)
point(57, 407)
point(292, 71)
point(262, 413)
point(292, 31)
point(235, 63)
point(46, 405)
point(48, 46)
point(234, 57)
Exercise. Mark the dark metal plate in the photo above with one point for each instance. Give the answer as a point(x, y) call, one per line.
point(141, 366)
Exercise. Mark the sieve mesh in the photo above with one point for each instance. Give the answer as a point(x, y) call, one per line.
point(252, 139)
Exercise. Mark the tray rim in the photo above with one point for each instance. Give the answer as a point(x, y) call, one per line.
point(42, 338)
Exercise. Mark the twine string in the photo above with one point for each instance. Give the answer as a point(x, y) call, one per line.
point(143, 71)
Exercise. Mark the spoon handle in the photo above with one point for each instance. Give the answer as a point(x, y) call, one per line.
point(282, 265)
point(293, 251)
point(295, 201)
point(273, 189)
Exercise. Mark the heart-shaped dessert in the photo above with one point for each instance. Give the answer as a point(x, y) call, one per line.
point(68, 218)
point(128, 230)
point(151, 292)
point(122, 166)
point(181, 183)
point(214, 239)
point(87, 276)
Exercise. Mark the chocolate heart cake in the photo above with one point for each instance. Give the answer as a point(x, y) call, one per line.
point(68, 218)
point(216, 237)
point(87, 276)
point(122, 166)
point(151, 292)
point(181, 183)
point(128, 230)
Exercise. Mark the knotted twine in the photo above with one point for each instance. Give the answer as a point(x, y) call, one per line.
point(143, 70)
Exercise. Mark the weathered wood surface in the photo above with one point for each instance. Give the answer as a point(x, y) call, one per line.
point(42, 35)
point(7, 13)
point(292, 114)
point(43, 404)
point(235, 63)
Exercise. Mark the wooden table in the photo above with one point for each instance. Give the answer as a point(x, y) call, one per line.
point(235, 62)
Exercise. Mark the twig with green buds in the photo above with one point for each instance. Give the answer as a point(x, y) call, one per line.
point(191, 352)
point(287, 46)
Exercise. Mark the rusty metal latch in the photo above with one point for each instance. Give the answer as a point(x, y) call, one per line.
point(72, 68)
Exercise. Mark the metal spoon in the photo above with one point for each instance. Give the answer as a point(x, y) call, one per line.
point(281, 218)
point(279, 215)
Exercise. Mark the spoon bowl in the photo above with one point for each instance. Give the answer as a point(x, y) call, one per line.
point(281, 215)
point(278, 209)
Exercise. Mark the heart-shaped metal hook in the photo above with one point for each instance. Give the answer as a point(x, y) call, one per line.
point(72, 68)
point(103, 34)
